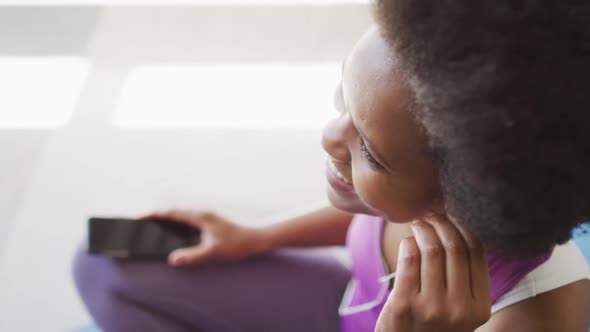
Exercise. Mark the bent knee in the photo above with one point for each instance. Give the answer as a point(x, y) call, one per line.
point(88, 273)
point(98, 276)
point(101, 276)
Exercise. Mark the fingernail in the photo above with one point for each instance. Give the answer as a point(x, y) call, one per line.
point(176, 258)
point(415, 225)
point(435, 218)
point(176, 262)
point(403, 247)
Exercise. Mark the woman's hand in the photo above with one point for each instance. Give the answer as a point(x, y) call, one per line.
point(221, 240)
point(442, 282)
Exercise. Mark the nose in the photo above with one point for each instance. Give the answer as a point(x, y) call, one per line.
point(334, 138)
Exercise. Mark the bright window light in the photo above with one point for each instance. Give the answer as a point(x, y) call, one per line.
point(228, 96)
point(39, 92)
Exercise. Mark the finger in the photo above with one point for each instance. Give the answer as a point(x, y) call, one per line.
point(187, 256)
point(478, 264)
point(184, 216)
point(456, 255)
point(151, 215)
point(407, 279)
point(433, 278)
point(157, 215)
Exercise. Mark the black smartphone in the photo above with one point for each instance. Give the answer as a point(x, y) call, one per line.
point(137, 238)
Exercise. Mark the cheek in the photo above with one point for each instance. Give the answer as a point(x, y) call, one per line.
point(397, 199)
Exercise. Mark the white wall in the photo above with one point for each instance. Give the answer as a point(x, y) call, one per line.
point(54, 178)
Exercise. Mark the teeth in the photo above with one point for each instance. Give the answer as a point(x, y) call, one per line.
point(336, 172)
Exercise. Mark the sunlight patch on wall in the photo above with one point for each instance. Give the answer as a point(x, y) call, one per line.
point(39, 92)
point(228, 96)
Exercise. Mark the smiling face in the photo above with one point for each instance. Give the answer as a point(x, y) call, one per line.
point(378, 161)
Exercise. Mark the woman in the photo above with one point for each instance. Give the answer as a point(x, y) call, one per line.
point(460, 148)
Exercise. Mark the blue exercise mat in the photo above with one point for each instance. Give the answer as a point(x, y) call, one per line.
point(582, 238)
point(89, 328)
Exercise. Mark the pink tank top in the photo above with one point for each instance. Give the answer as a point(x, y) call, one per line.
point(366, 293)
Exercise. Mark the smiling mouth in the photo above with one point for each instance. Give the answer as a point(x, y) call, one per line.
point(337, 173)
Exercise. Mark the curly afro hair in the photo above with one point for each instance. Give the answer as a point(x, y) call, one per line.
point(502, 88)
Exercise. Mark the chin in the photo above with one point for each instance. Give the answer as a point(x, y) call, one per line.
point(348, 204)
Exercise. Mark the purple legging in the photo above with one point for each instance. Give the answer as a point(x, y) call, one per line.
point(287, 290)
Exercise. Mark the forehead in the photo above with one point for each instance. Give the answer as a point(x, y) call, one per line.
point(378, 96)
point(375, 86)
point(378, 83)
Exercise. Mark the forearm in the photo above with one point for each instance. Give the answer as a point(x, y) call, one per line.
point(323, 227)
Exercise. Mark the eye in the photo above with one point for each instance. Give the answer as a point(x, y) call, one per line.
point(368, 155)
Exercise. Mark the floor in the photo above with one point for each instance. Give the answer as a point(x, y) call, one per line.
point(124, 149)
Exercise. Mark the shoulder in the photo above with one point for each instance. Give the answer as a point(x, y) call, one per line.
point(553, 297)
point(564, 309)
